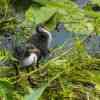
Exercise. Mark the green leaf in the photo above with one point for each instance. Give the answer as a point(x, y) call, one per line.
point(39, 15)
point(36, 93)
point(5, 89)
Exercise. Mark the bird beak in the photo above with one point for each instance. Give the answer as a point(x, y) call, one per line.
point(45, 30)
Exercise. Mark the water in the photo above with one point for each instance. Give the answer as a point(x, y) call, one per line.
point(60, 37)
point(92, 44)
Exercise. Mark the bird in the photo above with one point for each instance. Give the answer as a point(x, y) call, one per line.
point(35, 48)
point(42, 39)
point(29, 53)
point(29, 57)
point(32, 58)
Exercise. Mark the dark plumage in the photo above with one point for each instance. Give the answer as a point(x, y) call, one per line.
point(42, 40)
point(27, 55)
point(34, 49)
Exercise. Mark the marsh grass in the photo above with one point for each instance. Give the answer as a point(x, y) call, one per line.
point(70, 75)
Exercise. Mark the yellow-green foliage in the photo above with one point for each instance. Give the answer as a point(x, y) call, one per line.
point(62, 77)
point(50, 12)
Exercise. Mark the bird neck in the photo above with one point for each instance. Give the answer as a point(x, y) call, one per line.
point(49, 37)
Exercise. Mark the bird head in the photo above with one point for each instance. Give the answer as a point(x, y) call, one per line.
point(40, 28)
